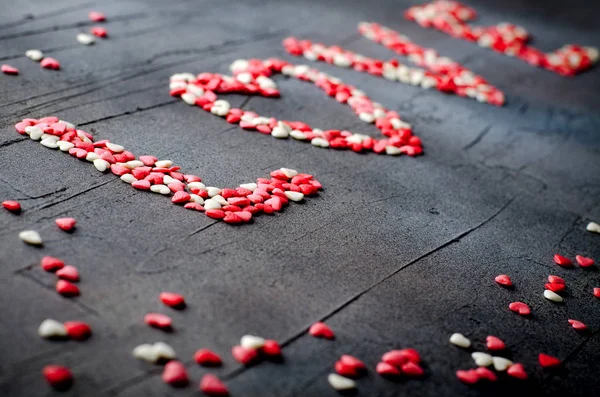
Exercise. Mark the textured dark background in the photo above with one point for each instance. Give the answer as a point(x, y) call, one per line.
point(395, 252)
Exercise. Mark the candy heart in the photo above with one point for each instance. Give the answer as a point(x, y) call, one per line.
point(158, 320)
point(52, 329)
point(501, 363)
point(12, 206)
point(553, 296)
point(517, 371)
point(66, 288)
point(583, 261)
point(339, 382)
point(164, 351)
point(386, 369)
point(460, 340)
point(212, 386)
point(172, 299)
point(243, 355)
point(51, 264)
point(495, 343)
point(69, 273)
point(555, 287)
point(252, 342)
point(503, 279)
point(547, 361)
point(469, 376)
point(96, 16)
point(482, 359)
point(148, 160)
point(146, 352)
point(353, 362)
point(142, 185)
point(399, 357)
point(562, 261)
point(596, 292)
point(175, 374)
point(556, 280)
point(578, 325)
point(485, 373)
point(7, 69)
point(180, 197)
point(66, 224)
point(411, 369)
point(50, 63)
point(271, 348)
point(593, 227)
point(321, 330)
point(207, 358)
point(520, 307)
point(345, 369)
point(31, 237)
point(58, 376)
point(78, 330)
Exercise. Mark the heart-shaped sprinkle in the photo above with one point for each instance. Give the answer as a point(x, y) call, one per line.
point(207, 358)
point(58, 376)
point(460, 340)
point(252, 342)
point(174, 374)
point(593, 227)
point(52, 329)
point(482, 359)
point(50, 63)
point(469, 376)
point(212, 386)
point(321, 330)
point(555, 287)
point(353, 362)
point(180, 197)
point(67, 289)
point(501, 363)
point(556, 280)
point(99, 31)
point(7, 69)
point(66, 224)
point(504, 280)
point(31, 237)
point(142, 185)
point(583, 261)
point(243, 355)
point(34, 55)
point(12, 206)
point(164, 351)
point(172, 299)
point(346, 369)
point(51, 264)
point(494, 343)
point(145, 352)
point(562, 261)
point(386, 369)
point(339, 382)
point(96, 16)
point(485, 373)
point(69, 273)
point(578, 325)
point(271, 348)
point(517, 371)
point(78, 330)
point(412, 369)
point(596, 292)
point(553, 296)
point(158, 320)
point(520, 307)
point(547, 361)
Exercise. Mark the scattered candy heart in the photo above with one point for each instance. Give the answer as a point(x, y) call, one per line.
point(212, 386)
point(482, 359)
point(51, 264)
point(517, 371)
point(99, 31)
point(556, 280)
point(547, 361)
point(339, 382)
point(78, 330)
point(504, 280)
point(412, 369)
point(12, 206)
point(52, 329)
point(485, 373)
point(146, 352)
point(58, 376)
point(596, 292)
point(172, 299)
point(50, 63)
point(460, 340)
point(96, 16)
point(578, 325)
point(252, 342)
point(386, 369)
point(399, 357)
point(555, 287)
point(321, 330)
point(593, 227)
point(494, 343)
point(31, 237)
point(469, 376)
point(34, 55)
point(553, 296)
point(158, 320)
point(501, 363)
point(174, 374)
point(207, 358)
point(66, 224)
point(562, 261)
point(7, 69)
point(583, 261)
point(243, 355)
point(271, 348)
point(85, 39)
point(520, 307)
point(69, 273)
point(66, 288)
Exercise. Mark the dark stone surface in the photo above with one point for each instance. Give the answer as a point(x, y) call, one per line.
point(395, 252)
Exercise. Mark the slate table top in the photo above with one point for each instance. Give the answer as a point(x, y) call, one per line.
point(394, 252)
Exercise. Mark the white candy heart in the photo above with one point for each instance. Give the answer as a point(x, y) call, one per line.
point(113, 147)
point(196, 186)
point(85, 39)
point(49, 143)
point(211, 204)
point(161, 189)
point(69, 125)
point(31, 237)
point(553, 296)
point(279, 133)
point(34, 55)
point(460, 340)
point(299, 135)
point(250, 186)
point(163, 164)
point(220, 199)
point(290, 173)
point(195, 90)
point(91, 156)
point(65, 146)
point(133, 164)
point(294, 196)
point(34, 133)
point(366, 117)
point(189, 98)
point(482, 359)
point(252, 342)
point(593, 227)
point(196, 199)
point(145, 352)
point(501, 363)
point(128, 178)
point(52, 329)
point(319, 142)
point(339, 382)
point(392, 150)
point(213, 191)
point(101, 165)
point(164, 351)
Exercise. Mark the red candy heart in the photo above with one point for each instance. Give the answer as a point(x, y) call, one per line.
point(517, 371)
point(175, 374)
point(68, 273)
point(411, 369)
point(78, 330)
point(207, 358)
point(597, 292)
point(562, 261)
point(158, 320)
point(7, 69)
point(555, 287)
point(484, 373)
point(469, 376)
point(556, 280)
point(520, 307)
point(180, 197)
point(353, 362)
point(399, 357)
point(244, 356)
point(66, 288)
point(58, 376)
point(583, 261)
point(321, 330)
point(495, 343)
point(503, 279)
point(346, 370)
point(12, 206)
point(386, 369)
point(212, 386)
point(547, 361)
point(143, 185)
point(172, 299)
point(51, 264)
point(271, 348)
point(578, 325)
point(66, 224)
